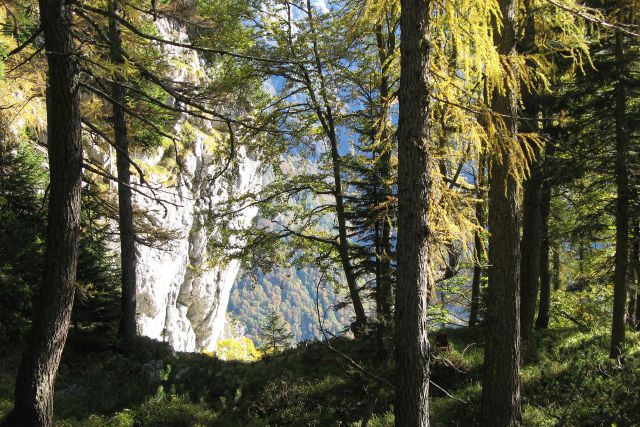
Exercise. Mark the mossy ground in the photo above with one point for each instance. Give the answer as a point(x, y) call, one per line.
point(567, 380)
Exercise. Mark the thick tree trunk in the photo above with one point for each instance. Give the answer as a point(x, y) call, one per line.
point(501, 383)
point(414, 195)
point(542, 321)
point(128, 329)
point(36, 376)
point(622, 209)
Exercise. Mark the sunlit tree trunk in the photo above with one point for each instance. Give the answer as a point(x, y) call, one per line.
point(414, 193)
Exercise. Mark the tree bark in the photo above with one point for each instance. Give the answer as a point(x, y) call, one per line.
point(501, 382)
point(622, 208)
point(52, 313)
point(530, 248)
point(531, 243)
point(128, 261)
point(414, 193)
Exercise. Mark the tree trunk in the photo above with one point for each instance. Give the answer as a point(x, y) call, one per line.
point(414, 195)
point(343, 240)
point(478, 262)
point(128, 329)
point(501, 383)
point(324, 112)
point(479, 259)
point(622, 209)
point(530, 248)
point(542, 321)
point(531, 242)
point(52, 313)
point(557, 282)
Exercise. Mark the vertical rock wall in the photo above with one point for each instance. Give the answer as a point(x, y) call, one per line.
point(181, 298)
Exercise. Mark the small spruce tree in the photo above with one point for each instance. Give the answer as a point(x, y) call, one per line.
point(275, 332)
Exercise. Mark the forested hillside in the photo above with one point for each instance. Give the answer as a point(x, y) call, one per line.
point(292, 293)
point(319, 212)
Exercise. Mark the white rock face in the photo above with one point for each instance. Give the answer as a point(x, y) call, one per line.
point(181, 299)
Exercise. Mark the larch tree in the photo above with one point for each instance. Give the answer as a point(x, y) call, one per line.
point(35, 382)
point(501, 378)
point(414, 281)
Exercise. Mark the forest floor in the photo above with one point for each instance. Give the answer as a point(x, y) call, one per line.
point(567, 379)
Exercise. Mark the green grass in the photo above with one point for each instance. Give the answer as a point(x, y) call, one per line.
point(567, 379)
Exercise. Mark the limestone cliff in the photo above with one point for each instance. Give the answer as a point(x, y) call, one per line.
point(182, 299)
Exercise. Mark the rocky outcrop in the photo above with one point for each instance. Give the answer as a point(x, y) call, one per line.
point(182, 297)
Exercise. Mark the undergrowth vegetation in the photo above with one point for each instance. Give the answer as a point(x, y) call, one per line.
point(567, 380)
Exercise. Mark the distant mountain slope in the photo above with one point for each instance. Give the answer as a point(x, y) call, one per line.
point(293, 293)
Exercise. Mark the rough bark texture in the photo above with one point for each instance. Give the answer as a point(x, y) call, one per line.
point(542, 321)
point(501, 383)
point(36, 376)
point(414, 187)
point(622, 209)
point(128, 329)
